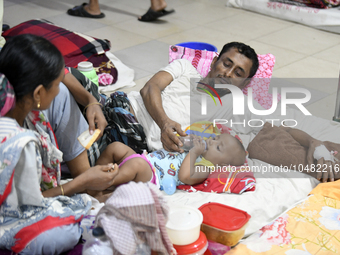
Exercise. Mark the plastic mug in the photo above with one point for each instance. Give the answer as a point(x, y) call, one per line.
point(86, 68)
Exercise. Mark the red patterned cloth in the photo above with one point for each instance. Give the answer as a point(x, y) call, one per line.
point(75, 47)
point(236, 181)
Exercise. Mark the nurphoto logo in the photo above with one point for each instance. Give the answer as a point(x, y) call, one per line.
point(239, 103)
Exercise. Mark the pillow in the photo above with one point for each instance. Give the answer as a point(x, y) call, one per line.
point(201, 60)
point(75, 47)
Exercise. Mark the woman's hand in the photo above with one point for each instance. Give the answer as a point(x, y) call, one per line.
point(96, 119)
point(100, 177)
point(169, 139)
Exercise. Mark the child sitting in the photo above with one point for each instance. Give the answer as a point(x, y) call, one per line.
point(191, 167)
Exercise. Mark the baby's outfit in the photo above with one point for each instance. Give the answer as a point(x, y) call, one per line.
point(165, 164)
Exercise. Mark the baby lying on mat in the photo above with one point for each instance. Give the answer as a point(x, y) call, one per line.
point(185, 168)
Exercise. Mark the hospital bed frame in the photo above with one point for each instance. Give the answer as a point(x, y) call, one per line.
point(337, 105)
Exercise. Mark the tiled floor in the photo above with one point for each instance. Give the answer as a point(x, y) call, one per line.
point(300, 51)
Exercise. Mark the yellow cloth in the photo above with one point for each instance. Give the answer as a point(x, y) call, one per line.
point(311, 227)
point(328, 189)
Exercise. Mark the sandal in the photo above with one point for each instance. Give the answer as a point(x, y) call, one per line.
point(79, 11)
point(152, 15)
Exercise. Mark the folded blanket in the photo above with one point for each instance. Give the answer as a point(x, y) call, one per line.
point(275, 146)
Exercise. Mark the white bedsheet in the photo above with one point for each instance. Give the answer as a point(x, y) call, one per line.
point(277, 192)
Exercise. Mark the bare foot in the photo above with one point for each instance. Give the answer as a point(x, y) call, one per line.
point(94, 10)
point(158, 5)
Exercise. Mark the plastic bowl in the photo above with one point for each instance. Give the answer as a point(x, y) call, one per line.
point(223, 224)
point(199, 247)
point(198, 46)
point(184, 224)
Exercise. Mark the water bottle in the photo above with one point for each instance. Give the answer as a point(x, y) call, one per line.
point(86, 68)
point(143, 249)
point(98, 244)
point(188, 142)
point(169, 184)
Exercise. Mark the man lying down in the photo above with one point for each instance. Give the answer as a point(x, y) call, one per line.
point(172, 99)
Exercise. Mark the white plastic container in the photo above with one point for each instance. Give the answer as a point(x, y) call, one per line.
point(184, 224)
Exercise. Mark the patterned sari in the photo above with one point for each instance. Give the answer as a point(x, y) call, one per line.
point(24, 212)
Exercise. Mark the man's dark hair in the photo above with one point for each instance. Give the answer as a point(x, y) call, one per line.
point(246, 51)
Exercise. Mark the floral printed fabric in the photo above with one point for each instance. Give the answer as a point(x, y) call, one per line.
point(201, 60)
point(322, 4)
point(52, 157)
point(312, 227)
point(24, 212)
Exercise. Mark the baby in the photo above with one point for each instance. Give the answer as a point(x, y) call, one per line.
point(190, 168)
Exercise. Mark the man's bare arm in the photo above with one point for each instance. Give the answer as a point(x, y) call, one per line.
point(151, 94)
point(94, 112)
point(311, 144)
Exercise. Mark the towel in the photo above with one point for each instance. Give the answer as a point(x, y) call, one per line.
point(134, 216)
point(275, 146)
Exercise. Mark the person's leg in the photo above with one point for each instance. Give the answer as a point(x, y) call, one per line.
point(156, 11)
point(115, 152)
point(134, 169)
point(158, 5)
point(90, 10)
point(93, 7)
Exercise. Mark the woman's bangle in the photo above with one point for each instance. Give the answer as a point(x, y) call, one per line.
point(95, 103)
point(62, 190)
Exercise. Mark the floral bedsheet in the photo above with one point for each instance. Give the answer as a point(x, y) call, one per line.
point(311, 227)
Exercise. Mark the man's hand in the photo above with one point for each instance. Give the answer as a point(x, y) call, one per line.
point(325, 169)
point(169, 138)
point(96, 119)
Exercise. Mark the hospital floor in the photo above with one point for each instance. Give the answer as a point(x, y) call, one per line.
point(310, 57)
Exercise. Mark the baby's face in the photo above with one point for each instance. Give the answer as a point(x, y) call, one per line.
point(221, 149)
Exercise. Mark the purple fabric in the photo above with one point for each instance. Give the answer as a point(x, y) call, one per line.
point(6, 252)
point(153, 180)
point(77, 250)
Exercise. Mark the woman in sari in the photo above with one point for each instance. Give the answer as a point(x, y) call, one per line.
point(38, 215)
